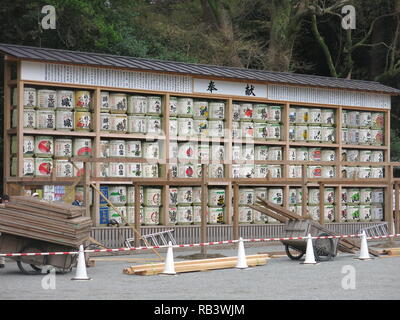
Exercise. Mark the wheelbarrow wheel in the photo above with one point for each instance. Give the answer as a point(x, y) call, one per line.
point(323, 248)
point(26, 265)
point(293, 253)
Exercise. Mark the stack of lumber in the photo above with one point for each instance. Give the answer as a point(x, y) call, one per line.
point(197, 265)
point(392, 252)
point(284, 215)
point(47, 221)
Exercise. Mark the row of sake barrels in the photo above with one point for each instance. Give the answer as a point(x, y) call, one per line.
point(192, 214)
point(362, 196)
point(312, 133)
point(249, 195)
point(256, 130)
point(256, 171)
point(192, 195)
point(311, 154)
point(196, 127)
point(363, 136)
point(182, 107)
point(249, 216)
point(313, 210)
point(312, 116)
point(126, 214)
point(129, 149)
point(50, 99)
point(296, 196)
point(122, 123)
point(256, 112)
point(194, 170)
point(130, 104)
point(49, 146)
point(354, 155)
point(318, 171)
point(363, 119)
point(62, 120)
point(365, 172)
point(129, 170)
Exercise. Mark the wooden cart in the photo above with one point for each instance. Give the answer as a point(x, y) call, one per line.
point(35, 264)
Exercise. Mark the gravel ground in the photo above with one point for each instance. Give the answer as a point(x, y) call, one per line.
point(280, 278)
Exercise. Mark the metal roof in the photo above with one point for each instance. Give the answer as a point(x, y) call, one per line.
point(107, 60)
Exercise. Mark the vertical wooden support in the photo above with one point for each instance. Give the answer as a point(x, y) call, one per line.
point(228, 161)
point(137, 215)
point(165, 157)
point(235, 222)
point(20, 123)
point(285, 137)
point(286, 191)
point(397, 209)
point(304, 190)
point(389, 198)
point(338, 203)
point(204, 211)
point(164, 205)
point(321, 203)
point(86, 188)
point(6, 126)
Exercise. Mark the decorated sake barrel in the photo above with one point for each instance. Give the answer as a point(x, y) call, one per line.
point(119, 123)
point(185, 126)
point(104, 169)
point(292, 132)
point(200, 127)
point(377, 137)
point(247, 152)
point(104, 101)
point(185, 215)
point(117, 169)
point(172, 215)
point(292, 196)
point(365, 195)
point(79, 169)
point(133, 148)
point(292, 115)
point(314, 171)
point(377, 213)
point(118, 103)
point(354, 136)
point(130, 196)
point(329, 196)
point(328, 135)
point(133, 169)
point(30, 98)
point(314, 154)
point(353, 119)
point(47, 99)
point(260, 112)
point(62, 148)
point(299, 195)
point(294, 171)
point(185, 107)
point(104, 148)
point(117, 149)
point(173, 196)
point(64, 168)
point(275, 171)
point(154, 105)
point(246, 112)
point(29, 119)
point(83, 121)
point(261, 193)
point(197, 195)
point(343, 213)
point(273, 131)
point(259, 218)
point(328, 155)
point(153, 125)
point(377, 120)
point(218, 152)
point(314, 134)
point(236, 130)
point(28, 147)
point(315, 116)
point(64, 120)
point(345, 136)
point(215, 171)
point(292, 154)
point(260, 170)
point(151, 150)
point(377, 195)
point(274, 114)
point(313, 196)
point(137, 124)
point(173, 127)
point(260, 153)
point(364, 136)
point(44, 146)
point(236, 171)
point(329, 213)
point(203, 152)
point(353, 212)
point(216, 128)
point(152, 196)
point(200, 109)
point(275, 153)
point(343, 196)
point(247, 129)
point(377, 156)
point(118, 214)
point(275, 195)
point(185, 195)
point(327, 117)
point(365, 155)
point(82, 147)
point(302, 115)
point(236, 112)
point(215, 215)
point(364, 172)
point(301, 133)
point(313, 212)
point(261, 131)
point(302, 154)
point(247, 171)
point(246, 196)
point(82, 100)
point(137, 105)
point(130, 214)
point(216, 197)
point(377, 172)
point(353, 195)
point(187, 151)
point(65, 100)
point(350, 172)
point(187, 170)
point(105, 122)
point(43, 167)
point(28, 167)
point(237, 152)
point(345, 118)
point(353, 155)
point(173, 106)
point(45, 119)
point(328, 172)
point(365, 119)
point(245, 214)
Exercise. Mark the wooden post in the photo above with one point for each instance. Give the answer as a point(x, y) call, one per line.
point(86, 188)
point(321, 203)
point(304, 190)
point(204, 198)
point(7, 126)
point(235, 224)
point(397, 209)
point(137, 215)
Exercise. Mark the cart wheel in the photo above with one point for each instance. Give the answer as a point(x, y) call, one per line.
point(293, 253)
point(323, 248)
point(29, 265)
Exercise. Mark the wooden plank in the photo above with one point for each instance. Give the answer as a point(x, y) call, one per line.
point(285, 212)
point(269, 213)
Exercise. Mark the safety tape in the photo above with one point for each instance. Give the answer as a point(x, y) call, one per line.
point(203, 244)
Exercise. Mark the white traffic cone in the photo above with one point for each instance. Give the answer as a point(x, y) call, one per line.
point(310, 257)
point(81, 267)
point(364, 254)
point(169, 266)
point(241, 260)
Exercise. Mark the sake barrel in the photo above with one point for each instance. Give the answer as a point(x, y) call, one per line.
point(259, 218)
point(104, 148)
point(292, 196)
point(173, 106)
point(216, 197)
point(328, 135)
point(45, 119)
point(328, 172)
point(275, 153)
point(314, 154)
point(215, 215)
point(30, 98)
point(365, 136)
point(246, 196)
point(246, 215)
point(364, 172)
point(329, 195)
point(104, 169)
point(79, 169)
point(377, 172)
point(28, 169)
point(118, 103)
point(152, 197)
point(314, 171)
point(83, 121)
point(117, 149)
point(236, 171)
point(29, 119)
point(172, 215)
point(273, 131)
point(118, 214)
point(353, 195)
point(117, 169)
point(248, 152)
point(151, 150)
point(200, 127)
point(302, 154)
point(377, 156)
point(343, 213)
point(260, 130)
point(313, 211)
point(328, 155)
point(65, 100)
point(353, 155)
point(247, 129)
point(274, 114)
point(365, 119)
point(119, 123)
point(64, 120)
point(313, 196)
point(377, 137)
point(292, 132)
point(292, 154)
point(185, 126)
point(118, 195)
point(130, 195)
point(64, 168)
point(173, 127)
point(294, 171)
point(133, 148)
point(275, 171)
point(314, 134)
point(260, 170)
point(137, 105)
point(133, 169)
point(327, 117)
point(377, 120)
point(260, 113)
point(82, 147)
point(365, 155)
point(153, 125)
point(292, 115)
point(216, 128)
point(185, 215)
point(137, 124)
point(43, 167)
point(353, 212)
point(173, 196)
point(365, 195)
point(377, 213)
point(275, 195)
point(185, 107)
point(345, 118)
point(260, 153)
point(197, 195)
point(246, 112)
point(82, 100)
point(345, 136)
point(44, 146)
point(62, 148)
point(200, 109)
point(235, 112)
point(105, 101)
point(343, 195)
point(187, 170)
point(203, 152)
point(302, 115)
point(315, 116)
point(353, 120)
point(47, 99)
point(377, 195)
point(187, 151)
point(218, 152)
point(247, 171)
point(130, 214)
point(301, 133)
point(329, 213)
point(216, 171)
point(237, 152)
point(154, 105)
point(105, 122)
point(261, 193)
point(28, 148)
